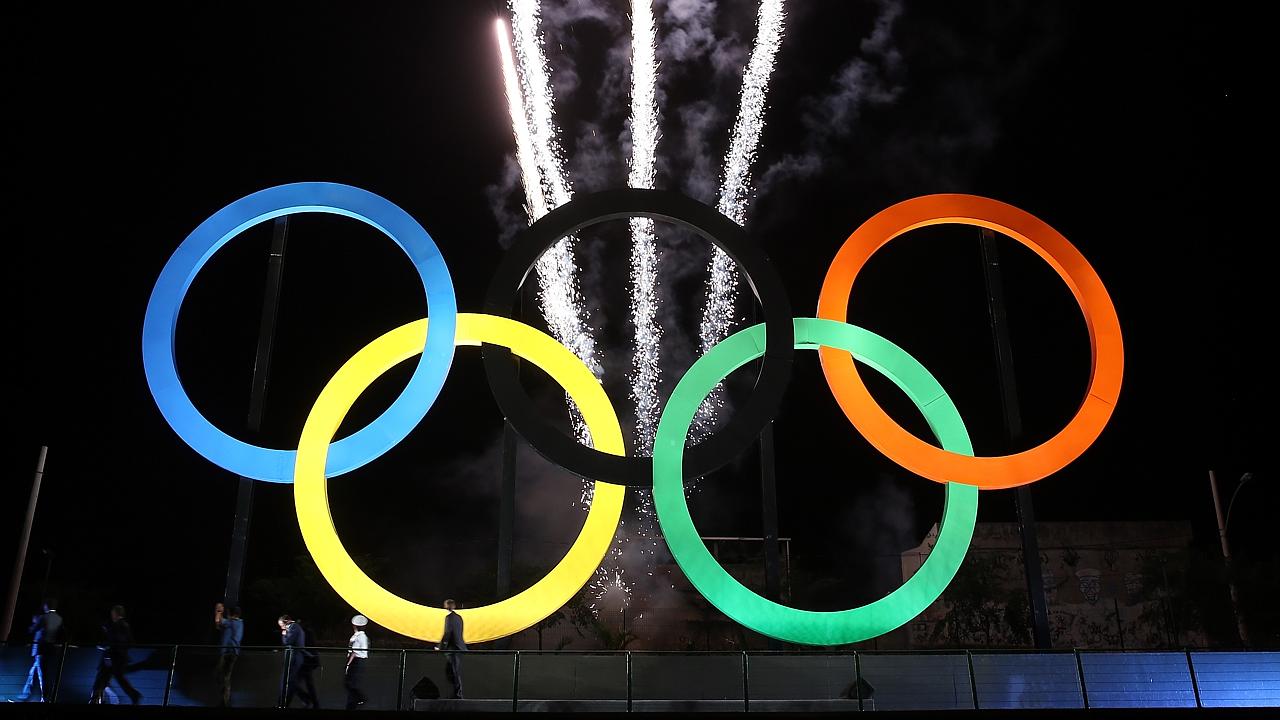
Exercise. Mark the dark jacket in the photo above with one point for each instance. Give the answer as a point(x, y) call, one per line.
point(295, 637)
point(46, 629)
point(119, 636)
point(452, 639)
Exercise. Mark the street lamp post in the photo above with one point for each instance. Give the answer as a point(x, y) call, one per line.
point(1241, 628)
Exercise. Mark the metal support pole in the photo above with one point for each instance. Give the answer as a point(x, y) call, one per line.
point(1195, 682)
point(404, 658)
point(168, 685)
point(515, 682)
point(20, 562)
point(769, 517)
point(1241, 628)
point(257, 401)
point(857, 678)
point(973, 679)
point(507, 510)
point(1084, 690)
point(1013, 431)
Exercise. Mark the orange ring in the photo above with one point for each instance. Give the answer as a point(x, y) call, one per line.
point(918, 456)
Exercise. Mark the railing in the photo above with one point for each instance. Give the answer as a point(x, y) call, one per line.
point(184, 675)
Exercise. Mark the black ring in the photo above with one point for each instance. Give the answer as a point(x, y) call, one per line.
point(761, 276)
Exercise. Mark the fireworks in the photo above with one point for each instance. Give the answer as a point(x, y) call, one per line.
point(735, 192)
point(645, 371)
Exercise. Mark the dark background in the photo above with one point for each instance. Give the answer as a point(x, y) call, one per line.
point(1119, 125)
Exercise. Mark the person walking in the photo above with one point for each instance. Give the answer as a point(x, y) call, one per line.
point(453, 644)
point(230, 635)
point(46, 631)
point(118, 636)
point(357, 655)
point(298, 681)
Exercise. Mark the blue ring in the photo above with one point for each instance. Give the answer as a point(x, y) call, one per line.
point(158, 329)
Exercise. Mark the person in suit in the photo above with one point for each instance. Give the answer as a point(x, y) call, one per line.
point(453, 644)
point(298, 681)
point(46, 631)
point(118, 636)
point(357, 654)
point(230, 634)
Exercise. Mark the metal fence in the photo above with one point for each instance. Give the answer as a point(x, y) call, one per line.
point(184, 675)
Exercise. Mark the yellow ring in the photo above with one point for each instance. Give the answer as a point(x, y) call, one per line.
point(311, 495)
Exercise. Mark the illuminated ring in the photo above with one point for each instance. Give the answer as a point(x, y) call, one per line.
point(160, 324)
point(311, 495)
point(742, 430)
point(918, 456)
point(732, 597)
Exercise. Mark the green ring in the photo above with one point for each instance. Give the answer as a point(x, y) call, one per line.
point(732, 597)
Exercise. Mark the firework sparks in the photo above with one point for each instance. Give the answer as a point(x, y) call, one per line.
point(543, 166)
point(735, 192)
point(645, 371)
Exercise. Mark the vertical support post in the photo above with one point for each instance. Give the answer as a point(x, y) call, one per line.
point(746, 683)
point(284, 679)
point(1241, 629)
point(628, 681)
point(1195, 684)
point(257, 401)
point(515, 682)
point(769, 517)
point(168, 686)
point(1013, 432)
point(857, 677)
point(57, 682)
point(404, 659)
point(973, 679)
point(507, 509)
point(1084, 691)
point(20, 562)
point(506, 519)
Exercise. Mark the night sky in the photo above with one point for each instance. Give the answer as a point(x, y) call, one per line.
point(1118, 125)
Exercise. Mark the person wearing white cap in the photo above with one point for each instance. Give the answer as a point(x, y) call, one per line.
point(357, 653)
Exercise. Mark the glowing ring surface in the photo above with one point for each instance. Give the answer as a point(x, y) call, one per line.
point(506, 617)
point(918, 456)
point(160, 324)
point(732, 597)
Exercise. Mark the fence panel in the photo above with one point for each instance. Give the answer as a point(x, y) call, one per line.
point(672, 682)
point(1137, 679)
point(255, 677)
point(801, 683)
point(147, 671)
point(487, 676)
point(1026, 680)
point(916, 682)
point(577, 681)
point(1238, 679)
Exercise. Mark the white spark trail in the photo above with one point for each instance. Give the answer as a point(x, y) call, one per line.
point(558, 295)
point(557, 271)
point(735, 191)
point(645, 371)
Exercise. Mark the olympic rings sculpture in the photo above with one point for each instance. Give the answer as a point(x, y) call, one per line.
point(318, 457)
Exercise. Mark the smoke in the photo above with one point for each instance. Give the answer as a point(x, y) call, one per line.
point(869, 80)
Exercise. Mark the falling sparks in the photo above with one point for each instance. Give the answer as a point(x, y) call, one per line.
point(645, 371)
point(735, 192)
point(530, 101)
point(542, 168)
